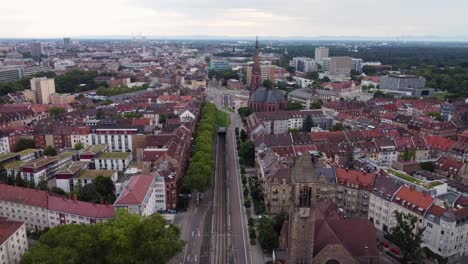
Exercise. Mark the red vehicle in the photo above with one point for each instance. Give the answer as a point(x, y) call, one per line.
point(395, 251)
point(384, 244)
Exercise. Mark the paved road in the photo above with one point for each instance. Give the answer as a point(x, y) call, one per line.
point(241, 249)
point(196, 231)
point(239, 230)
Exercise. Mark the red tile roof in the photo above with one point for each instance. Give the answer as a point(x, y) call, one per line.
point(135, 191)
point(85, 209)
point(439, 143)
point(23, 195)
point(8, 228)
point(362, 179)
point(414, 197)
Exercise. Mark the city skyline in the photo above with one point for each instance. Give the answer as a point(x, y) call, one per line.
point(306, 18)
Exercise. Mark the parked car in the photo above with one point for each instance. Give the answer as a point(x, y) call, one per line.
point(384, 244)
point(395, 251)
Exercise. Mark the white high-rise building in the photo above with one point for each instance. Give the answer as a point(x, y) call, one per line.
point(320, 54)
point(303, 64)
point(43, 88)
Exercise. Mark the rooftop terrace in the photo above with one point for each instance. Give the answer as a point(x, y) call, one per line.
point(411, 179)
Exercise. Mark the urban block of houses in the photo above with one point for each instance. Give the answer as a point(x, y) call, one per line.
point(142, 194)
point(40, 210)
point(13, 241)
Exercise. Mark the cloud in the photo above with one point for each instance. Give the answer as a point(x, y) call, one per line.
point(57, 18)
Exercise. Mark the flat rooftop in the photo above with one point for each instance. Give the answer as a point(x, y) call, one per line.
point(7, 156)
point(93, 174)
point(28, 151)
point(13, 165)
point(114, 155)
point(409, 178)
point(95, 149)
point(72, 167)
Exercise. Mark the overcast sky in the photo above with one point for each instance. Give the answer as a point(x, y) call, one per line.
point(308, 18)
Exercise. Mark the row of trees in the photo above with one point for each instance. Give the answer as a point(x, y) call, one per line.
point(128, 238)
point(200, 170)
point(107, 91)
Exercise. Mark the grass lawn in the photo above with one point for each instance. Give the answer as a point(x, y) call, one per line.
point(222, 119)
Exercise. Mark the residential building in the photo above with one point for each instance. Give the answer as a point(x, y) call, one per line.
point(275, 178)
point(13, 241)
point(139, 195)
point(63, 211)
point(36, 49)
point(14, 73)
point(118, 139)
point(67, 42)
point(305, 96)
point(4, 143)
point(337, 66)
point(43, 87)
point(383, 190)
point(39, 169)
point(446, 224)
point(353, 191)
point(303, 64)
point(234, 84)
point(113, 161)
point(40, 210)
point(267, 72)
point(320, 54)
point(387, 152)
point(356, 64)
point(282, 121)
point(62, 98)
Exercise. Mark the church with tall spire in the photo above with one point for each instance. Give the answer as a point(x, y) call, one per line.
point(263, 99)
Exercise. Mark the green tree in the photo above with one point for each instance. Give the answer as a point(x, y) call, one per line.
point(58, 190)
point(89, 193)
point(162, 119)
point(105, 188)
point(308, 124)
point(337, 127)
point(56, 111)
point(128, 238)
point(380, 94)
point(279, 220)
point(268, 84)
point(42, 184)
point(25, 143)
point(407, 236)
point(294, 106)
point(312, 75)
point(50, 151)
point(243, 135)
point(267, 236)
point(247, 152)
point(428, 166)
point(316, 105)
point(79, 146)
point(244, 112)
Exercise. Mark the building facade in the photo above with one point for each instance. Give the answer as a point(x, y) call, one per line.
point(43, 88)
point(13, 241)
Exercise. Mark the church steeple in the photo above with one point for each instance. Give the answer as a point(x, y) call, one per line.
point(256, 78)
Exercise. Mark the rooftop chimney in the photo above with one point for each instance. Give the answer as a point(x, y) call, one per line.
point(75, 198)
